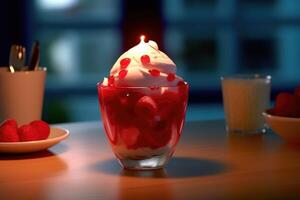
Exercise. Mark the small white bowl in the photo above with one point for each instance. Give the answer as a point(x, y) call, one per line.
point(287, 128)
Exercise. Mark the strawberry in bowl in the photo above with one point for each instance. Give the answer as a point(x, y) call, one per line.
point(284, 118)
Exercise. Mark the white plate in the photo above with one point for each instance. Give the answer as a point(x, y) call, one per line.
point(56, 135)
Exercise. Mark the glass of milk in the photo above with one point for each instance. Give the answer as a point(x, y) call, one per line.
point(245, 98)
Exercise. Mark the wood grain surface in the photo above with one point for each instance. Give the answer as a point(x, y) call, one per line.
point(208, 164)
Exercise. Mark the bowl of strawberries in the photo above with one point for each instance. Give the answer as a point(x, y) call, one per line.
point(284, 118)
point(32, 137)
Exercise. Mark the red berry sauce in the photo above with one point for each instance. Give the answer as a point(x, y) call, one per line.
point(111, 80)
point(122, 73)
point(145, 59)
point(154, 72)
point(124, 63)
point(171, 77)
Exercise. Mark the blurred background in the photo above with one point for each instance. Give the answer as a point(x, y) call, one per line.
point(81, 40)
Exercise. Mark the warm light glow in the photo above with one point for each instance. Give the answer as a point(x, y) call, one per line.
point(142, 38)
point(20, 55)
point(12, 70)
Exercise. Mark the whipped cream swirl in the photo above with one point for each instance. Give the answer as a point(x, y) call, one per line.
point(144, 65)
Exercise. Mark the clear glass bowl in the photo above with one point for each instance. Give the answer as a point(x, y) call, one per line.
point(143, 124)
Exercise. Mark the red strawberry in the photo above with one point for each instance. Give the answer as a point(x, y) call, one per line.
point(28, 133)
point(287, 105)
point(107, 94)
point(129, 136)
point(167, 104)
point(9, 131)
point(145, 106)
point(123, 109)
point(141, 140)
point(42, 128)
point(145, 110)
point(160, 135)
point(11, 122)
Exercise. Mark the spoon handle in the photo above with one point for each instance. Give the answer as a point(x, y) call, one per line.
point(34, 56)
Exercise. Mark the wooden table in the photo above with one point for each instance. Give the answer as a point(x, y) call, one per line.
point(207, 165)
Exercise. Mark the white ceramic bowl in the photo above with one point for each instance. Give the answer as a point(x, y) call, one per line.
point(287, 128)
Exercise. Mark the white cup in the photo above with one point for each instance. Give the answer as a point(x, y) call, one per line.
point(21, 94)
point(245, 98)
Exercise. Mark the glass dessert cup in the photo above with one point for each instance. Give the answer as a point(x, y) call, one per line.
point(143, 124)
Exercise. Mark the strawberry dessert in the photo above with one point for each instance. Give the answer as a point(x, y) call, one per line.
point(143, 104)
